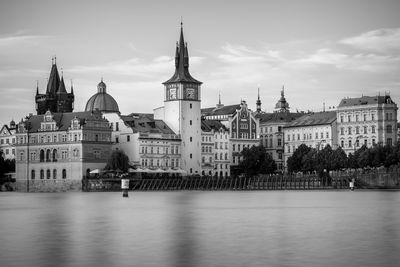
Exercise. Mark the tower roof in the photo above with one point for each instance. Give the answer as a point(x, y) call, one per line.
point(54, 80)
point(182, 64)
point(102, 101)
point(61, 88)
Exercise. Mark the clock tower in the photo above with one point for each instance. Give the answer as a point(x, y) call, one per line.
point(182, 109)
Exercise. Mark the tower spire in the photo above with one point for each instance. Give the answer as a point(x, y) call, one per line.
point(37, 87)
point(258, 102)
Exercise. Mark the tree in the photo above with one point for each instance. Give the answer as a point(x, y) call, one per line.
point(339, 159)
point(256, 161)
point(118, 160)
point(295, 162)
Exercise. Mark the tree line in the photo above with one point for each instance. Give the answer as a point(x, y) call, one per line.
point(307, 159)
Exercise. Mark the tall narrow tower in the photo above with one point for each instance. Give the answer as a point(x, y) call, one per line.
point(182, 109)
point(258, 102)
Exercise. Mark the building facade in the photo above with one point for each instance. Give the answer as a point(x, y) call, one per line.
point(315, 130)
point(7, 140)
point(271, 130)
point(56, 98)
point(55, 150)
point(242, 125)
point(366, 120)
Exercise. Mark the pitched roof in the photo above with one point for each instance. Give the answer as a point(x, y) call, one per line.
point(63, 120)
point(225, 110)
point(182, 64)
point(54, 80)
point(278, 117)
point(365, 100)
point(310, 119)
point(145, 123)
point(209, 125)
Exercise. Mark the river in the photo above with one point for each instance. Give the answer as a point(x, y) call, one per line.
point(262, 228)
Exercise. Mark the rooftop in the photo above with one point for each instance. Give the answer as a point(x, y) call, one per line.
point(310, 119)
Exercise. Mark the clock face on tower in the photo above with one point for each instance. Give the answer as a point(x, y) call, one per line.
point(190, 93)
point(172, 93)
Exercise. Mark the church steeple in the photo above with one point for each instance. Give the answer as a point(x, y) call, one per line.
point(282, 105)
point(54, 79)
point(258, 102)
point(182, 63)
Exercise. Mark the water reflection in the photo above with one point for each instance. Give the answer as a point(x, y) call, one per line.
point(287, 228)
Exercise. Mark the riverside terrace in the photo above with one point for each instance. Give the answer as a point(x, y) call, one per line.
point(376, 179)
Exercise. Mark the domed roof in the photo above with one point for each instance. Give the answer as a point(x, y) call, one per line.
point(102, 101)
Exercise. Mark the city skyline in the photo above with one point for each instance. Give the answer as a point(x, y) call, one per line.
point(318, 50)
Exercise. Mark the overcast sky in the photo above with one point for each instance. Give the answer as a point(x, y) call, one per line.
point(321, 51)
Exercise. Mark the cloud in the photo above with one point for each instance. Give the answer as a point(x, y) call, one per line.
point(135, 67)
point(381, 40)
point(17, 39)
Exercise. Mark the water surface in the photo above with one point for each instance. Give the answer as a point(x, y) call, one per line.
point(263, 228)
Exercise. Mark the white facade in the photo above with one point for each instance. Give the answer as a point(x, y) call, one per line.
point(7, 141)
point(366, 121)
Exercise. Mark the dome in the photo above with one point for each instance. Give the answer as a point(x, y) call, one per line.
point(102, 101)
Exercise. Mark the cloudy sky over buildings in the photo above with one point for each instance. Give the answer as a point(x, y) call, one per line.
point(321, 51)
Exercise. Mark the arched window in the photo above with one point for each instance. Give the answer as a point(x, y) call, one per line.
point(226, 156)
point(33, 174)
point(54, 174)
point(48, 154)
point(64, 173)
point(41, 174)
point(55, 155)
point(41, 155)
point(48, 174)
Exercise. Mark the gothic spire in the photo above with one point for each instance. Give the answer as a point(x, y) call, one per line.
point(61, 88)
point(258, 102)
point(54, 79)
point(182, 63)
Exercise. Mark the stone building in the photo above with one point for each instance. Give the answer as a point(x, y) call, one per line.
point(215, 151)
point(366, 120)
point(271, 129)
point(56, 98)
point(315, 130)
point(55, 150)
point(7, 140)
point(242, 124)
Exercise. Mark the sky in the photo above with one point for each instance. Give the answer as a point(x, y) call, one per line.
point(320, 51)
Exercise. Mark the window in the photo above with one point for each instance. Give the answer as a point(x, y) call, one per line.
point(365, 129)
point(279, 141)
point(190, 105)
point(357, 143)
point(128, 138)
point(341, 118)
point(357, 130)
point(226, 156)
point(21, 155)
point(233, 147)
point(389, 141)
point(64, 173)
point(280, 155)
point(288, 149)
point(41, 174)
point(203, 159)
point(279, 129)
point(54, 174)
point(349, 118)
point(190, 122)
point(350, 143)
point(191, 156)
point(116, 139)
point(54, 155)
point(327, 134)
point(298, 137)
point(373, 117)
point(357, 117)
point(341, 131)
point(64, 138)
point(365, 117)
point(342, 143)
point(48, 174)
point(33, 174)
point(389, 129)
point(191, 139)
point(365, 142)
point(349, 130)
point(373, 128)
point(373, 142)
point(117, 126)
point(288, 137)
point(316, 135)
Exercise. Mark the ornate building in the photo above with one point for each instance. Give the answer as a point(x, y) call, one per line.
point(242, 125)
point(7, 140)
point(56, 98)
point(55, 150)
point(102, 101)
point(181, 110)
point(366, 120)
point(271, 130)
